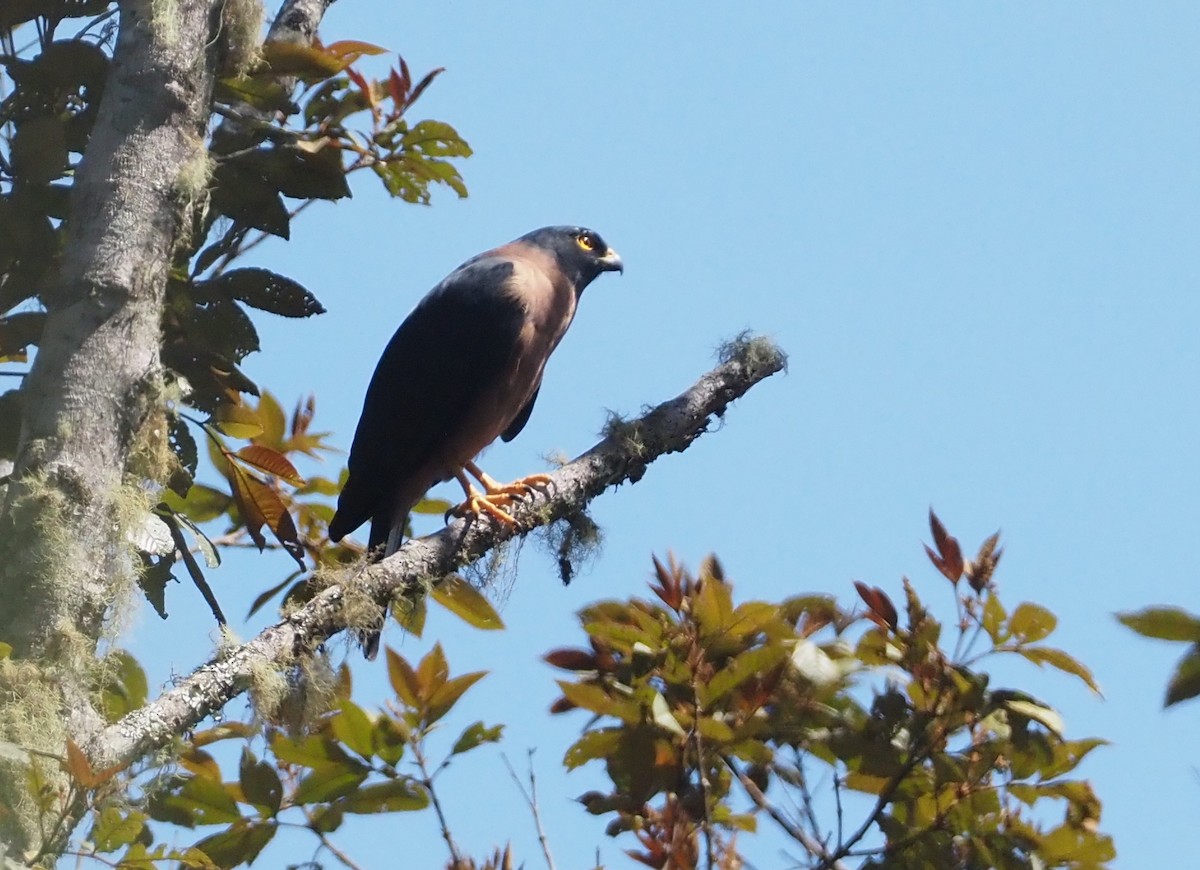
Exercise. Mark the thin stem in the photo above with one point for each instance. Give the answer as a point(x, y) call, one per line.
point(701, 767)
point(326, 843)
point(531, 799)
point(427, 781)
point(810, 843)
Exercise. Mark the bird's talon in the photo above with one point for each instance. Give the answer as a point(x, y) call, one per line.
point(477, 504)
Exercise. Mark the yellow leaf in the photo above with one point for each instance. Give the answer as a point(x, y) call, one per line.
point(237, 421)
point(466, 602)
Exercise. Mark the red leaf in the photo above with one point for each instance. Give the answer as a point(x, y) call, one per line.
point(363, 85)
point(883, 612)
point(948, 559)
point(399, 90)
point(260, 505)
point(571, 659)
point(424, 83)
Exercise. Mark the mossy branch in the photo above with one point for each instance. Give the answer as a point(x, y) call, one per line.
point(668, 428)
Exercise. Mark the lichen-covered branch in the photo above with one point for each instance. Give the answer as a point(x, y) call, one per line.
point(623, 455)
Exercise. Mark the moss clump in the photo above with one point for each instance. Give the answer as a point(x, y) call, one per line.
point(241, 29)
point(629, 435)
point(31, 717)
point(755, 352)
point(574, 541)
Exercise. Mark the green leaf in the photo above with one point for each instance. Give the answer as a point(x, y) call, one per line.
point(271, 417)
point(714, 730)
point(1030, 623)
point(1164, 623)
point(403, 679)
point(266, 596)
point(391, 739)
point(114, 828)
point(1185, 682)
point(312, 751)
point(410, 612)
point(237, 421)
point(994, 617)
point(206, 547)
point(594, 699)
point(203, 503)
point(354, 728)
point(433, 506)
point(127, 690)
point(466, 602)
point(260, 783)
point(1056, 658)
point(397, 795)
point(476, 735)
point(205, 802)
point(263, 93)
point(740, 668)
point(596, 744)
point(328, 782)
point(447, 695)
point(239, 844)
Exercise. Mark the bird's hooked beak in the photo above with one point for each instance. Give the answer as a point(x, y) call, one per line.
point(611, 262)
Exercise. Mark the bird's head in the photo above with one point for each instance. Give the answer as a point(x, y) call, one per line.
point(581, 253)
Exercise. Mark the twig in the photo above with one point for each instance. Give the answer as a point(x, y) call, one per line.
point(427, 781)
point(810, 843)
point(621, 457)
point(531, 799)
point(197, 575)
point(328, 843)
point(702, 769)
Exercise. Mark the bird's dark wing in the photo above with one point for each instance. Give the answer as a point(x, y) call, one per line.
point(519, 421)
point(448, 352)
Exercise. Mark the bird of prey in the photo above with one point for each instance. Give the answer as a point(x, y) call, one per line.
point(463, 369)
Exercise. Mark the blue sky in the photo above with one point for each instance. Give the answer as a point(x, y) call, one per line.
point(972, 226)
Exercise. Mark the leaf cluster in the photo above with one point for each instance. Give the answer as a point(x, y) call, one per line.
point(701, 705)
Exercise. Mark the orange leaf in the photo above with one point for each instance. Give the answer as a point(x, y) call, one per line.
point(270, 461)
point(78, 766)
point(353, 49)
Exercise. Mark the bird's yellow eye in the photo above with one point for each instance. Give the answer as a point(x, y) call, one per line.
point(585, 241)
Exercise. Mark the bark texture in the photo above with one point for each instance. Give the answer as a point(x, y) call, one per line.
point(95, 381)
point(623, 455)
point(96, 375)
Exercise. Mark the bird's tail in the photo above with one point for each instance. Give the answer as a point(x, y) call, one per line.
point(387, 534)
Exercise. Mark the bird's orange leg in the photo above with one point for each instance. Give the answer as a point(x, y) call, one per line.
point(496, 496)
point(523, 486)
point(478, 502)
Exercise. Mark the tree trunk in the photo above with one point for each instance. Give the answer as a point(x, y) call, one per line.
point(95, 389)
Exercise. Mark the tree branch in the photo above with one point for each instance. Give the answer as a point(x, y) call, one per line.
point(623, 455)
